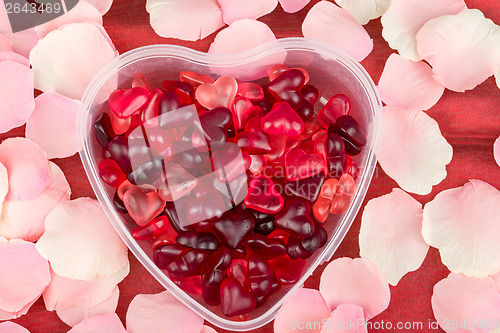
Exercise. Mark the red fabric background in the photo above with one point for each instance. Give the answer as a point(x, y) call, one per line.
point(469, 121)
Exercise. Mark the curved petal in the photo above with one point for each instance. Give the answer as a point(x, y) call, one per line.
point(161, 313)
point(408, 84)
point(332, 24)
point(496, 150)
point(363, 10)
point(404, 18)
point(80, 242)
point(203, 17)
point(27, 166)
point(5, 43)
point(346, 318)
point(413, 151)
point(25, 274)
point(293, 6)
point(25, 219)
point(467, 41)
point(471, 302)
point(355, 281)
point(4, 186)
point(74, 315)
point(6, 315)
point(234, 10)
point(53, 124)
point(15, 57)
point(16, 93)
point(102, 6)
point(10, 327)
point(306, 306)
point(109, 323)
point(464, 224)
point(67, 59)
point(391, 234)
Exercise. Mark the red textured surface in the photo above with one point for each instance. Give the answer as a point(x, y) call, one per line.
point(469, 121)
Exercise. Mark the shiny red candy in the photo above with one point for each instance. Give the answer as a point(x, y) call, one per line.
point(124, 102)
point(337, 106)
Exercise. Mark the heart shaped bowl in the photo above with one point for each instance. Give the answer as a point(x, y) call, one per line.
point(331, 71)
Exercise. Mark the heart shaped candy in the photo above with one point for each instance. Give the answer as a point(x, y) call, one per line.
point(250, 90)
point(178, 182)
point(286, 87)
point(268, 247)
point(220, 93)
point(261, 275)
point(233, 228)
point(243, 110)
point(336, 106)
point(295, 220)
point(142, 206)
point(300, 165)
point(235, 300)
point(253, 139)
point(217, 265)
point(283, 120)
point(124, 102)
point(262, 196)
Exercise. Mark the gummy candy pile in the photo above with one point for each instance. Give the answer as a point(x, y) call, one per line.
point(231, 182)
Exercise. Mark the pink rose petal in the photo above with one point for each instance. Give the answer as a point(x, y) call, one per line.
point(27, 167)
point(332, 24)
point(25, 219)
point(413, 151)
point(408, 84)
point(496, 150)
point(193, 19)
point(4, 186)
point(464, 224)
point(5, 43)
point(74, 315)
point(207, 329)
point(12, 56)
point(67, 59)
point(293, 6)
point(25, 274)
point(16, 93)
point(404, 18)
point(346, 318)
point(471, 302)
point(234, 10)
point(355, 281)
point(6, 315)
point(53, 124)
point(161, 313)
point(102, 6)
point(109, 323)
point(305, 306)
point(10, 327)
point(364, 10)
point(80, 242)
point(391, 234)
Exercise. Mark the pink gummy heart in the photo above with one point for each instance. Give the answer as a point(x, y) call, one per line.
point(120, 125)
point(235, 300)
point(276, 70)
point(124, 102)
point(195, 79)
point(262, 196)
point(250, 90)
point(337, 106)
point(178, 182)
point(283, 120)
point(253, 139)
point(243, 110)
point(287, 87)
point(143, 206)
point(300, 165)
point(220, 93)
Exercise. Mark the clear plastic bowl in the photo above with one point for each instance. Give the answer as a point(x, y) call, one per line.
point(331, 71)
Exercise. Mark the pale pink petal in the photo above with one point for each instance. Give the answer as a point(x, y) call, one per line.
point(109, 323)
point(496, 150)
point(16, 93)
point(391, 234)
point(80, 242)
point(82, 12)
point(193, 19)
point(15, 57)
point(207, 329)
point(346, 318)
point(67, 59)
point(63, 293)
point(4, 185)
point(412, 150)
point(471, 302)
point(10, 327)
point(464, 224)
point(6, 315)
point(234, 10)
point(463, 49)
point(355, 281)
point(305, 305)
point(27, 166)
point(25, 274)
point(102, 6)
point(161, 312)
point(53, 124)
point(364, 10)
point(5, 43)
point(408, 84)
point(332, 24)
point(25, 219)
point(404, 18)
point(293, 6)
point(74, 315)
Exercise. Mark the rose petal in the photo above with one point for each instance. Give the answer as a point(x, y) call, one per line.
point(4, 185)
point(10, 327)
point(12, 56)
point(6, 315)
point(22, 41)
point(306, 306)
point(102, 6)
point(16, 93)
point(404, 18)
point(109, 323)
point(332, 24)
point(464, 224)
point(355, 281)
point(5, 43)
point(463, 49)
point(293, 6)
point(412, 151)
point(53, 124)
point(408, 84)
point(346, 318)
point(25, 274)
point(67, 59)
point(207, 329)
point(363, 10)
point(496, 150)
point(234, 10)
point(468, 301)
point(80, 242)
point(63, 293)
point(194, 19)
point(74, 315)
point(161, 313)
point(25, 219)
point(391, 234)
point(27, 167)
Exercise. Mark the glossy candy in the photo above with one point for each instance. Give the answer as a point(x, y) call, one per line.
point(235, 300)
point(250, 90)
point(261, 245)
point(165, 254)
point(286, 87)
point(282, 120)
point(150, 109)
point(205, 207)
point(336, 106)
point(195, 79)
point(228, 161)
point(178, 182)
point(261, 275)
point(288, 271)
point(124, 102)
point(216, 271)
point(232, 228)
point(143, 206)
point(300, 165)
point(243, 110)
point(253, 139)
point(154, 228)
point(198, 240)
point(110, 173)
point(220, 93)
point(239, 271)
point(307, 188)
point(295, 220)
point(310, 93)
point(262, 196)
point(215, 124)
point(103, 130)
point(188, 264)
point(350, 130)
point(147, 172)
point(335, 154)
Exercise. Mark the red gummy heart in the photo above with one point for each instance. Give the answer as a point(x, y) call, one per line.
point(120, 125)
point(228, 161)
point(178, 182)
point(111, 173)
point(239, 271)
point(321, 208)
point(253, 139)
point(205, 207)
point(283, 120)
point(142, 206)
point(261, 275)
point(233, 228)
point(220, 93)
point(154, 228)
point(311, 127)
point(286, 87)
point(235, 300)
point(262, 196)
point(300, 165)
point(343, 194)
point(124, 102)
point(250, 90)
point(337, 106)
point(277, 69)
point(149, 111)
point(243, 110)
point(268, 247)
point(295, 220)
point(288, 271)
